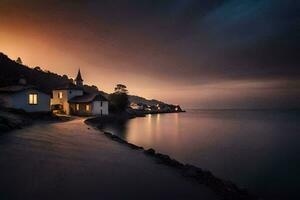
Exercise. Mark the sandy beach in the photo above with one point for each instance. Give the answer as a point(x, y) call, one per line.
point(73, 161)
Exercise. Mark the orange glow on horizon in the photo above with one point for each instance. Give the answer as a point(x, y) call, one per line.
point(105, 59)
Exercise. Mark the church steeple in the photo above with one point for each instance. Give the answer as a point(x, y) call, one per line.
point(79, 80)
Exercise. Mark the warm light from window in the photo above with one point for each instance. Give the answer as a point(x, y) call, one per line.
point(158, 107)
point(87, 108)
point(33, 98)
point(60, 95)
point(77, 107)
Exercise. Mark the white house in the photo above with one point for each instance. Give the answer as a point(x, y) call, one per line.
point(136, 106)
point(74, 101)
point(24, 97)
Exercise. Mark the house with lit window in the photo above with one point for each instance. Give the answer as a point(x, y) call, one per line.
point(24, 97)
point(137, 106)
point(71, 99)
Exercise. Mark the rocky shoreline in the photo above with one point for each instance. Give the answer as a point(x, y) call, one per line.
point(15, 119)
point(120, 118)
point(225, 189)
point(9, 122)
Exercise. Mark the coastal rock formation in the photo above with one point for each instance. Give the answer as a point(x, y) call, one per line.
point(226, 189)
point(17, 119)
point(10, 121)
point(150, 152)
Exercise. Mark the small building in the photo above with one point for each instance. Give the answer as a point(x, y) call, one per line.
point(137, 106)
point(73, 100)
point(88, 104)
point(24, 97)
point(61, 96)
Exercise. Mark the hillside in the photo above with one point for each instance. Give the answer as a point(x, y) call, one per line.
point(11, 72)
point(142, 100)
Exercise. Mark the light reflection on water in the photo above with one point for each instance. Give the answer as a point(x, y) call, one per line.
point(256, 149)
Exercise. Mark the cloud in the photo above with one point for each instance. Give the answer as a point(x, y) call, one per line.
point(186, 43)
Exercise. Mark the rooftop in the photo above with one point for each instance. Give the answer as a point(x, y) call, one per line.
point(16, 88)
point(87, 98)
point(79, 78)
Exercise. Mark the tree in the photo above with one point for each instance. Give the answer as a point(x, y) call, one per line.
point(120, 88)
point(95, 87)
point(37, 68)
point(119, 99)
point(65, 77)
point(19, 61)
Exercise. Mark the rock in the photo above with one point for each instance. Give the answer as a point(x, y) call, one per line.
point(172, 163)
point(150, 152)
point(117, 138)
point(175, 163)
point(107, 133)
point(192, 171)
point(163, 157)
point(134, 146)
point(207, 175)
point(4, 128)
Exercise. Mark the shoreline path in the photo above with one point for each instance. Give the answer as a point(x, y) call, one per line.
point(69, 160)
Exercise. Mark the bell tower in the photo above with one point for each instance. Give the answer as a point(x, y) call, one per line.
point(79, 80)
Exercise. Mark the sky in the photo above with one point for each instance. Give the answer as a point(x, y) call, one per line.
point(196, 53)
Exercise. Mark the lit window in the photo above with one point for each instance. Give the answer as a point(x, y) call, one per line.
point(60, 95)
point(87, 108)
point(77, 107)
point(33, 99)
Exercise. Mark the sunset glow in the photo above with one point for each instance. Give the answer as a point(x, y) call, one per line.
point(149, 99)
point(110, 49)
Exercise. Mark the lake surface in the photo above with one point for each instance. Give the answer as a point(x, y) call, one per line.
point(258, 150)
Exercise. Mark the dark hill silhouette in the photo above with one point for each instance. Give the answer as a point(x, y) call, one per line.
point(141, 100)
point(12, 71)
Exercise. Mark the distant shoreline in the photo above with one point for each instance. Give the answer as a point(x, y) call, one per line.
point(245, 109)
point(138, 113)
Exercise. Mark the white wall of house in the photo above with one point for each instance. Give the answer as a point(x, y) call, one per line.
point(136, 106)
point(20, 100)
point(66, 96)
point(97, 108)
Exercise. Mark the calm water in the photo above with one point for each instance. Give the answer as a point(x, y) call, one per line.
point(258, 150)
